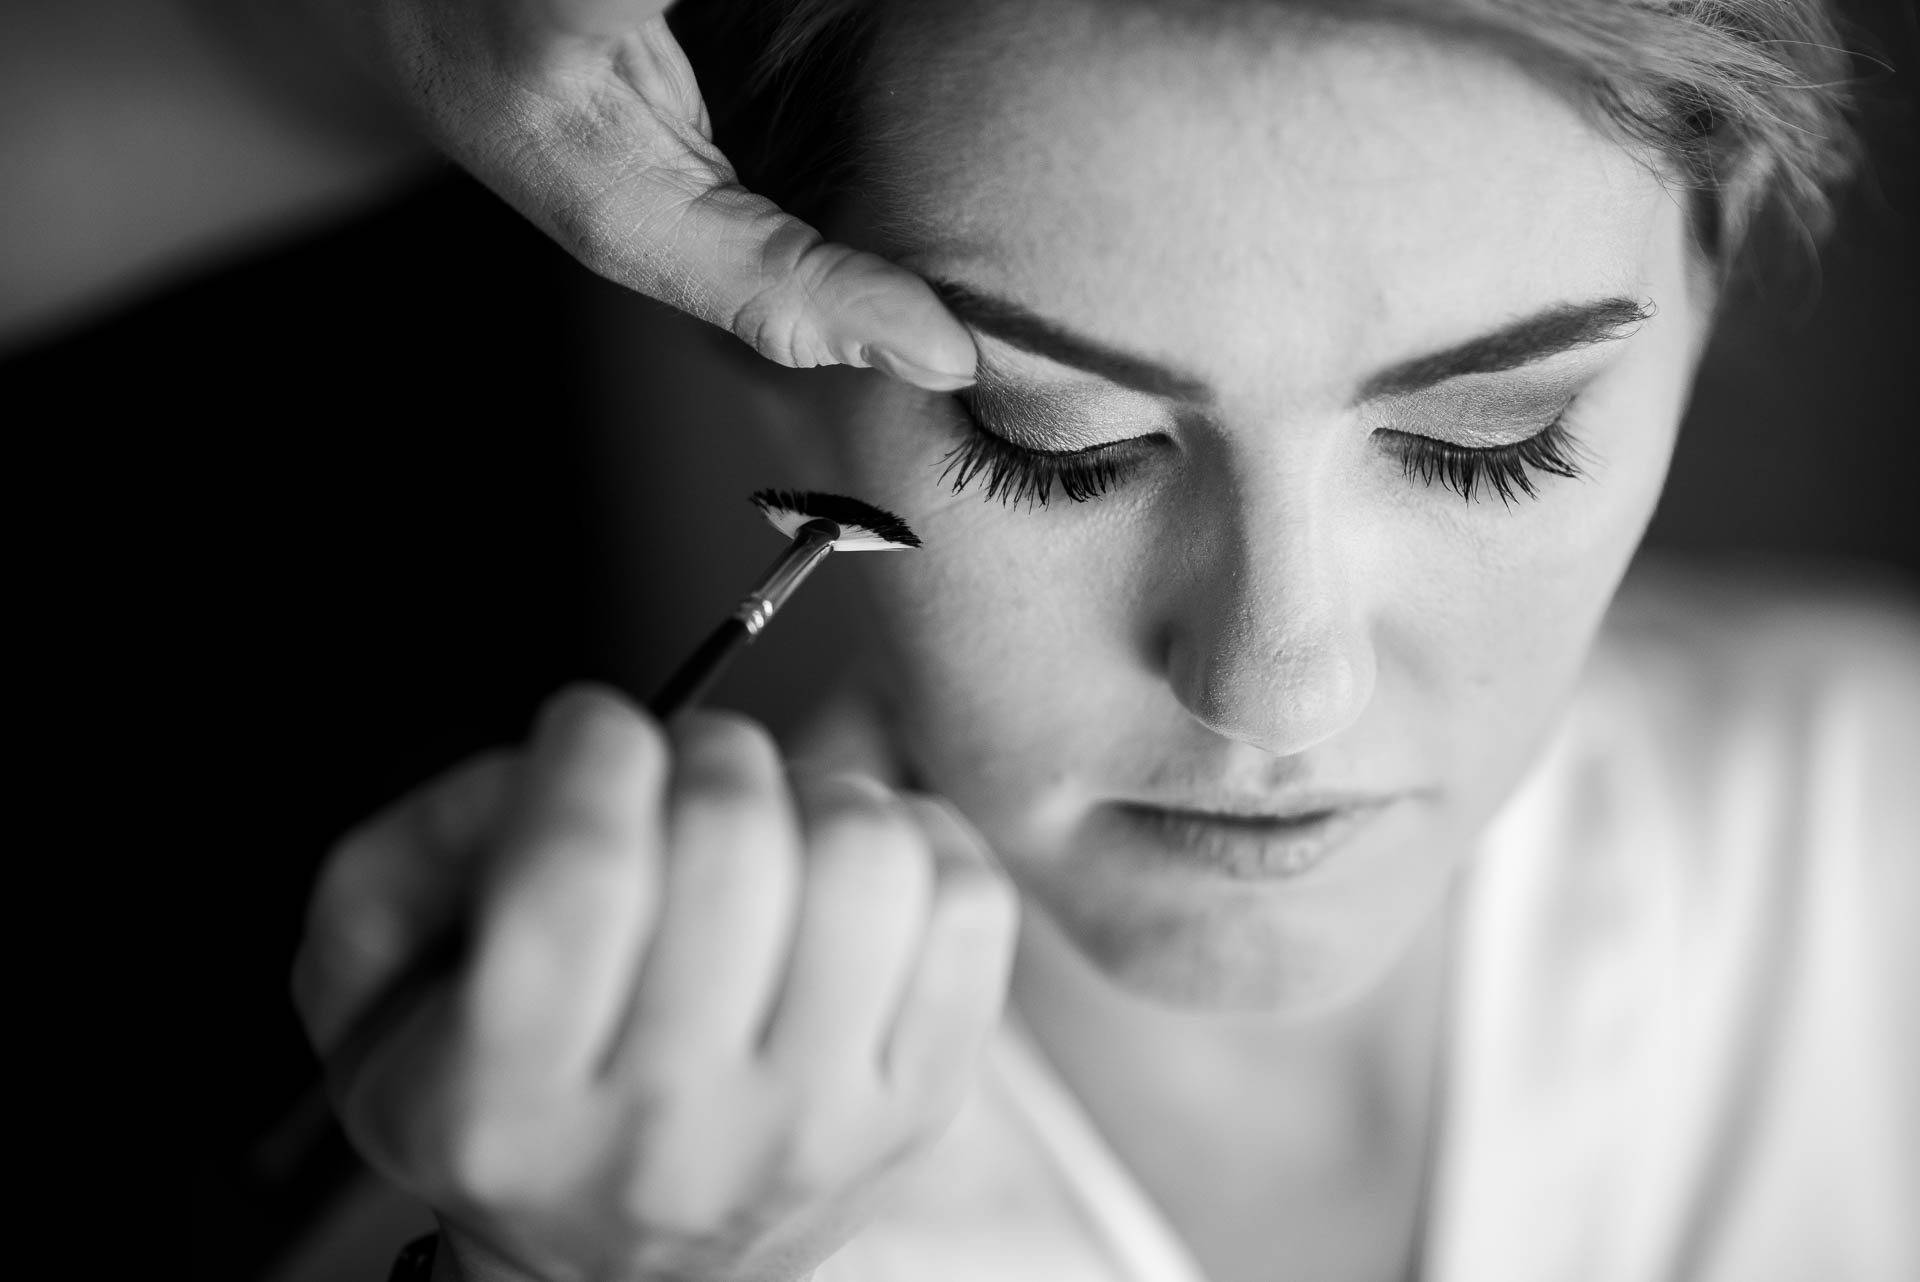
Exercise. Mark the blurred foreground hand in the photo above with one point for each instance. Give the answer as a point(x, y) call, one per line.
point(706, 1011)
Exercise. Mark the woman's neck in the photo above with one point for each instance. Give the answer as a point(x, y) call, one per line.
point(1254, 1130)
point(1078, 1014)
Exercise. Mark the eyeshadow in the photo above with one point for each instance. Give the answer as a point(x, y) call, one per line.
point(1058, 415)
point(1485, 409)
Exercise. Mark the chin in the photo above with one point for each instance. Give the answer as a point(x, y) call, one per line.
point(1230, 957)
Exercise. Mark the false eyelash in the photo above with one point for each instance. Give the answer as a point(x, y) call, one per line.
point(1015, 474)
point(1507, 468)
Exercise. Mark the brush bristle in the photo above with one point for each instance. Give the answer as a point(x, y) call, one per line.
point(863, 527)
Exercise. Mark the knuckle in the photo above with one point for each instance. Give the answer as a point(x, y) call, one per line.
point(842, 798)
point(595, 758)
point(978, 901)
point(351, 931)
point(771, 324)
point(725, 752)
point(815, 1152)
point(939, 1091)
point(477, 1166)
point(859, 840)
point(779, 319)
point(671, 1179)
point(917, 1137)
point(598, 724)
point(868, 863)
point(684, 1204)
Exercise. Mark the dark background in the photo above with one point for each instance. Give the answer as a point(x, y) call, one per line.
point(339, 511)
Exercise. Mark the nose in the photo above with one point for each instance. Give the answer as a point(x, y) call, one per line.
point(1267, 643)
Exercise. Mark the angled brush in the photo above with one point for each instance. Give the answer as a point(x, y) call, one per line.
point(818, 524)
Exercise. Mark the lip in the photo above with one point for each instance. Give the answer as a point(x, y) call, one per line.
point(1248, 841)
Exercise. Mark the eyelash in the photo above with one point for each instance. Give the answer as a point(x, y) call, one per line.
point(1551, 451)
point(1014, 474)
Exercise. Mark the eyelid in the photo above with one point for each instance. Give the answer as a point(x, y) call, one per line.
point(989, 410)
point(1467, 433)
point(1523, 390)
point(1491, 414)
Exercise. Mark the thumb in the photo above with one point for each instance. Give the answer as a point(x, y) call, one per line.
point(637, 191)
point(801, 300)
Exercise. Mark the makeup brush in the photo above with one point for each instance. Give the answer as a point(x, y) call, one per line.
point(817, 524)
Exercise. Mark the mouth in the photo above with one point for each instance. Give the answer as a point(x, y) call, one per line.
point(1249, 844)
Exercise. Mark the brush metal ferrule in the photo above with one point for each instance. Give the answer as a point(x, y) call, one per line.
point(809, 548)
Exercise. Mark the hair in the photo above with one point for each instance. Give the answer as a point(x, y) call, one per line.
point(1742, 102)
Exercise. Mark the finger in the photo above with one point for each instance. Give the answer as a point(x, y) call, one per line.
point(635, 189)
point(958, 987)
point(801, 300)
point(390, 887)
point(732, 875)
point(864, 904)
point(571, 891)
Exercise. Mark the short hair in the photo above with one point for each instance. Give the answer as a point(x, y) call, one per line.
point(1744, 102)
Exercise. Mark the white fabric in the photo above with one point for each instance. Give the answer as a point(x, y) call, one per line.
point(1685, 1041)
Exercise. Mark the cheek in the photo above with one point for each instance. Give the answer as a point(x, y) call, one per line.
point(1497, 610)
point(997, 650)
point(975, 634)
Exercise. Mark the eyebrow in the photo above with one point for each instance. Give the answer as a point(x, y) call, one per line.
point(1533, 338)
point(1548, 332)
point(1014, 325)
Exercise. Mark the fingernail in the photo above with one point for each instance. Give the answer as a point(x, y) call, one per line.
point(892, 363)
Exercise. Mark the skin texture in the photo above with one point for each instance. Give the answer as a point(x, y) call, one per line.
point(1268, 605)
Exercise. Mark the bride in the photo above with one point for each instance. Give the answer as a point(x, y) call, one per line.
point(1335, 873)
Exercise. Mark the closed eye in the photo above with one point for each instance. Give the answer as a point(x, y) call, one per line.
point(1017, 474)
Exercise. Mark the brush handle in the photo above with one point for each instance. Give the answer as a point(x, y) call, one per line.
point(691, 681)
point(693, 678)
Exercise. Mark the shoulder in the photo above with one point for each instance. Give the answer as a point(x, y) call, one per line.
point(1794, 629)
point(1761, 700)
point(1761, 727)
point(1693, 940)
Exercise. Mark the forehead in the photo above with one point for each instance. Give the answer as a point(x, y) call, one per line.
point(1240, 177)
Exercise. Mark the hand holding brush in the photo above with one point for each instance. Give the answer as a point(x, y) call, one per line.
point(698, 1009)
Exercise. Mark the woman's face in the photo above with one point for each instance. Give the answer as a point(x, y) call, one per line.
point(1233, 721)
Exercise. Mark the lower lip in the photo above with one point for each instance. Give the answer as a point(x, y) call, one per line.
point(1249, 849)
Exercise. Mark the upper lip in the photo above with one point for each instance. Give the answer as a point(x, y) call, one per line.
point(1294, 807)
